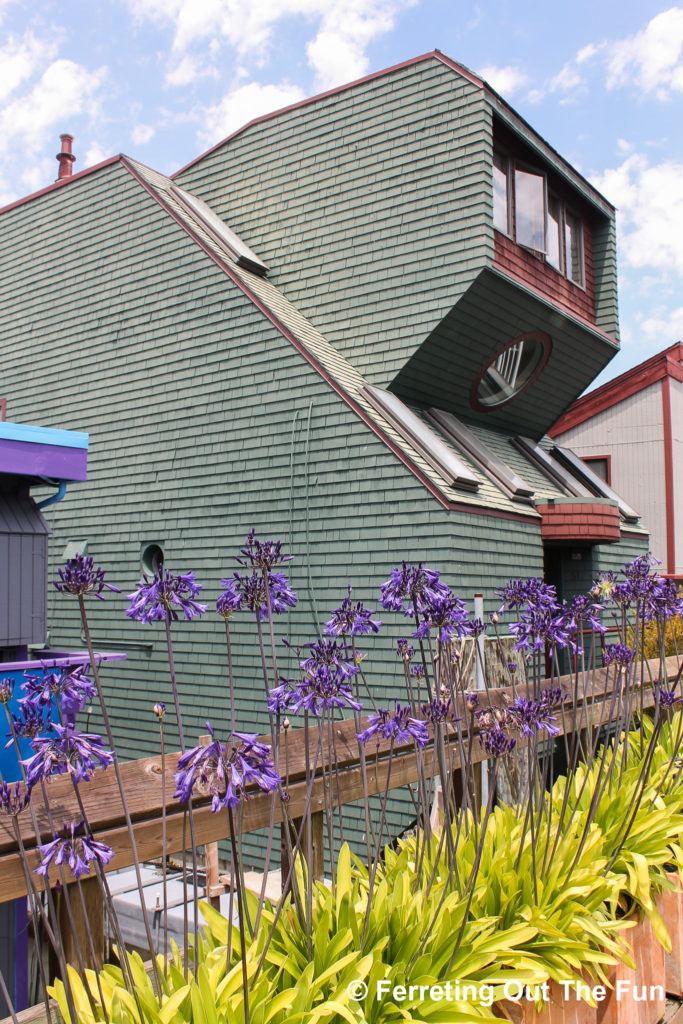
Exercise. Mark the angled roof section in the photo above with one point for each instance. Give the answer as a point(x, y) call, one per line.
point(668, 363)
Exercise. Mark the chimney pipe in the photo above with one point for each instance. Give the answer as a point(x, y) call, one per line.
point(65, 158)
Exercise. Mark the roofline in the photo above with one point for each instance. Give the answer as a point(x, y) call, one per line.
point(61, 183)
point(659, 367)
point(435, 54)
point(436, 491)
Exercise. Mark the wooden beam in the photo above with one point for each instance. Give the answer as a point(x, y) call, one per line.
point(143, 788)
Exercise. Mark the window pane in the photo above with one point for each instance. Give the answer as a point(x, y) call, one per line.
point(530, 209)
point(599, 466)
point(501, 212)
point(573, 244)
point(554, 234)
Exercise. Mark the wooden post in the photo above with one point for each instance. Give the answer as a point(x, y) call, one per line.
point(214, 887)
point(75, 937)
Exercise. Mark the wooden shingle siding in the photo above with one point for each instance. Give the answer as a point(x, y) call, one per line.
point(518, 262)
point(605, 277)
point(392, 181)
point(198, 412)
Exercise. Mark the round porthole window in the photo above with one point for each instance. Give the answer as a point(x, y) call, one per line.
point(511, 371)
point(152, 556)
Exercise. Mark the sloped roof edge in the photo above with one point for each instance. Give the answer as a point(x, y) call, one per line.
point(238, 279)
point(61, 184)
point(668, 363)
point(460, 69)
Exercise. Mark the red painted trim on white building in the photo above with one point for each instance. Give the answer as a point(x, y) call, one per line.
point(669, 477)
point(664, 364)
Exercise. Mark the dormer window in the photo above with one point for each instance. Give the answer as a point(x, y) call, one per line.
point(526, 210)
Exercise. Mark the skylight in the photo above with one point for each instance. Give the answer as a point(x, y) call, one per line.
point(239, 251)
point(489, 462)
point(552, 468)
point(595, 483)
point(422, 438)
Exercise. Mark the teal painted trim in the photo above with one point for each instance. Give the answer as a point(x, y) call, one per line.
point(43, 435)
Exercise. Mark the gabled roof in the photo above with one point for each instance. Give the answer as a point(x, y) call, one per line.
point(668, 363)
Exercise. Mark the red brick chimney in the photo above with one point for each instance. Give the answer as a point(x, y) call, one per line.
point(65, 158)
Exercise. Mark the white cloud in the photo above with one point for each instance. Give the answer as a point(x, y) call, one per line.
point(20, 58)
point(505, 80)
point(649, 199)
point(64, 90)
point(567, 79)
point(242, 105)
point(653, 58)
point(663, 326)
point(95, 154)
point(184, 72)
point(344, 28)
point(142, 133)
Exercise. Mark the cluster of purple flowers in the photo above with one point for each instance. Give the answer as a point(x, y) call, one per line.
point(496, 742)
point(327, 671)
point(411, 588)
point(618, 654)
point(164, 597)
point(80, 576)
point(249, 590)
point(438, 711)
point(667, 698)
point(226, 772)
point(262, 554)
point(13, 798)
point(396, 725)
point(70, 751)
point(446, 614)
point(530, 715)
point(351, 619)
point(76, 848)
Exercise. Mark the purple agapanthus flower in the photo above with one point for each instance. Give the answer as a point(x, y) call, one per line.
point(262, 554)
point(249, 590)
point(29, 722)
point(447, 615)
point(73, 689)
point(438, 711)
point(164, 597)
point(80, 576)
point(77, 753)
point(531, 715)
point(76, 848)
point(404, 649)
point(581, 611)
point(351, 619)
point(618, 654)
point(667, 698)
point(327, 670)
point(471, 700)
point(529, 593)
point(410, 588)
point(6, 689)
point(396, 725)
point(227, 771)
point(496, 742)
point(540, 627)
point(13, 798)
point(159, 710)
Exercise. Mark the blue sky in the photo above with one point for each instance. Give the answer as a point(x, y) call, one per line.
point(162, 80)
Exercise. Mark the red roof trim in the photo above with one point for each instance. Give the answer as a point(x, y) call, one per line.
point(350, 401)
point(61, 183)
point(658, 367)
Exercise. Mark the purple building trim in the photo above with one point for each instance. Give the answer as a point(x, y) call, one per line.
point(29, 459)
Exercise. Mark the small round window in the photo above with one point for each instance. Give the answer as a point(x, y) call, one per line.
point(511, 370)
point(152, 557)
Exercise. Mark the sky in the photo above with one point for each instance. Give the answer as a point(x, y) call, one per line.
point(163, 80)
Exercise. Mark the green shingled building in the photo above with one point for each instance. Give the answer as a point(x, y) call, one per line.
point(349, 325)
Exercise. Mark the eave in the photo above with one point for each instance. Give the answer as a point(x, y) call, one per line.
point(663, 365)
